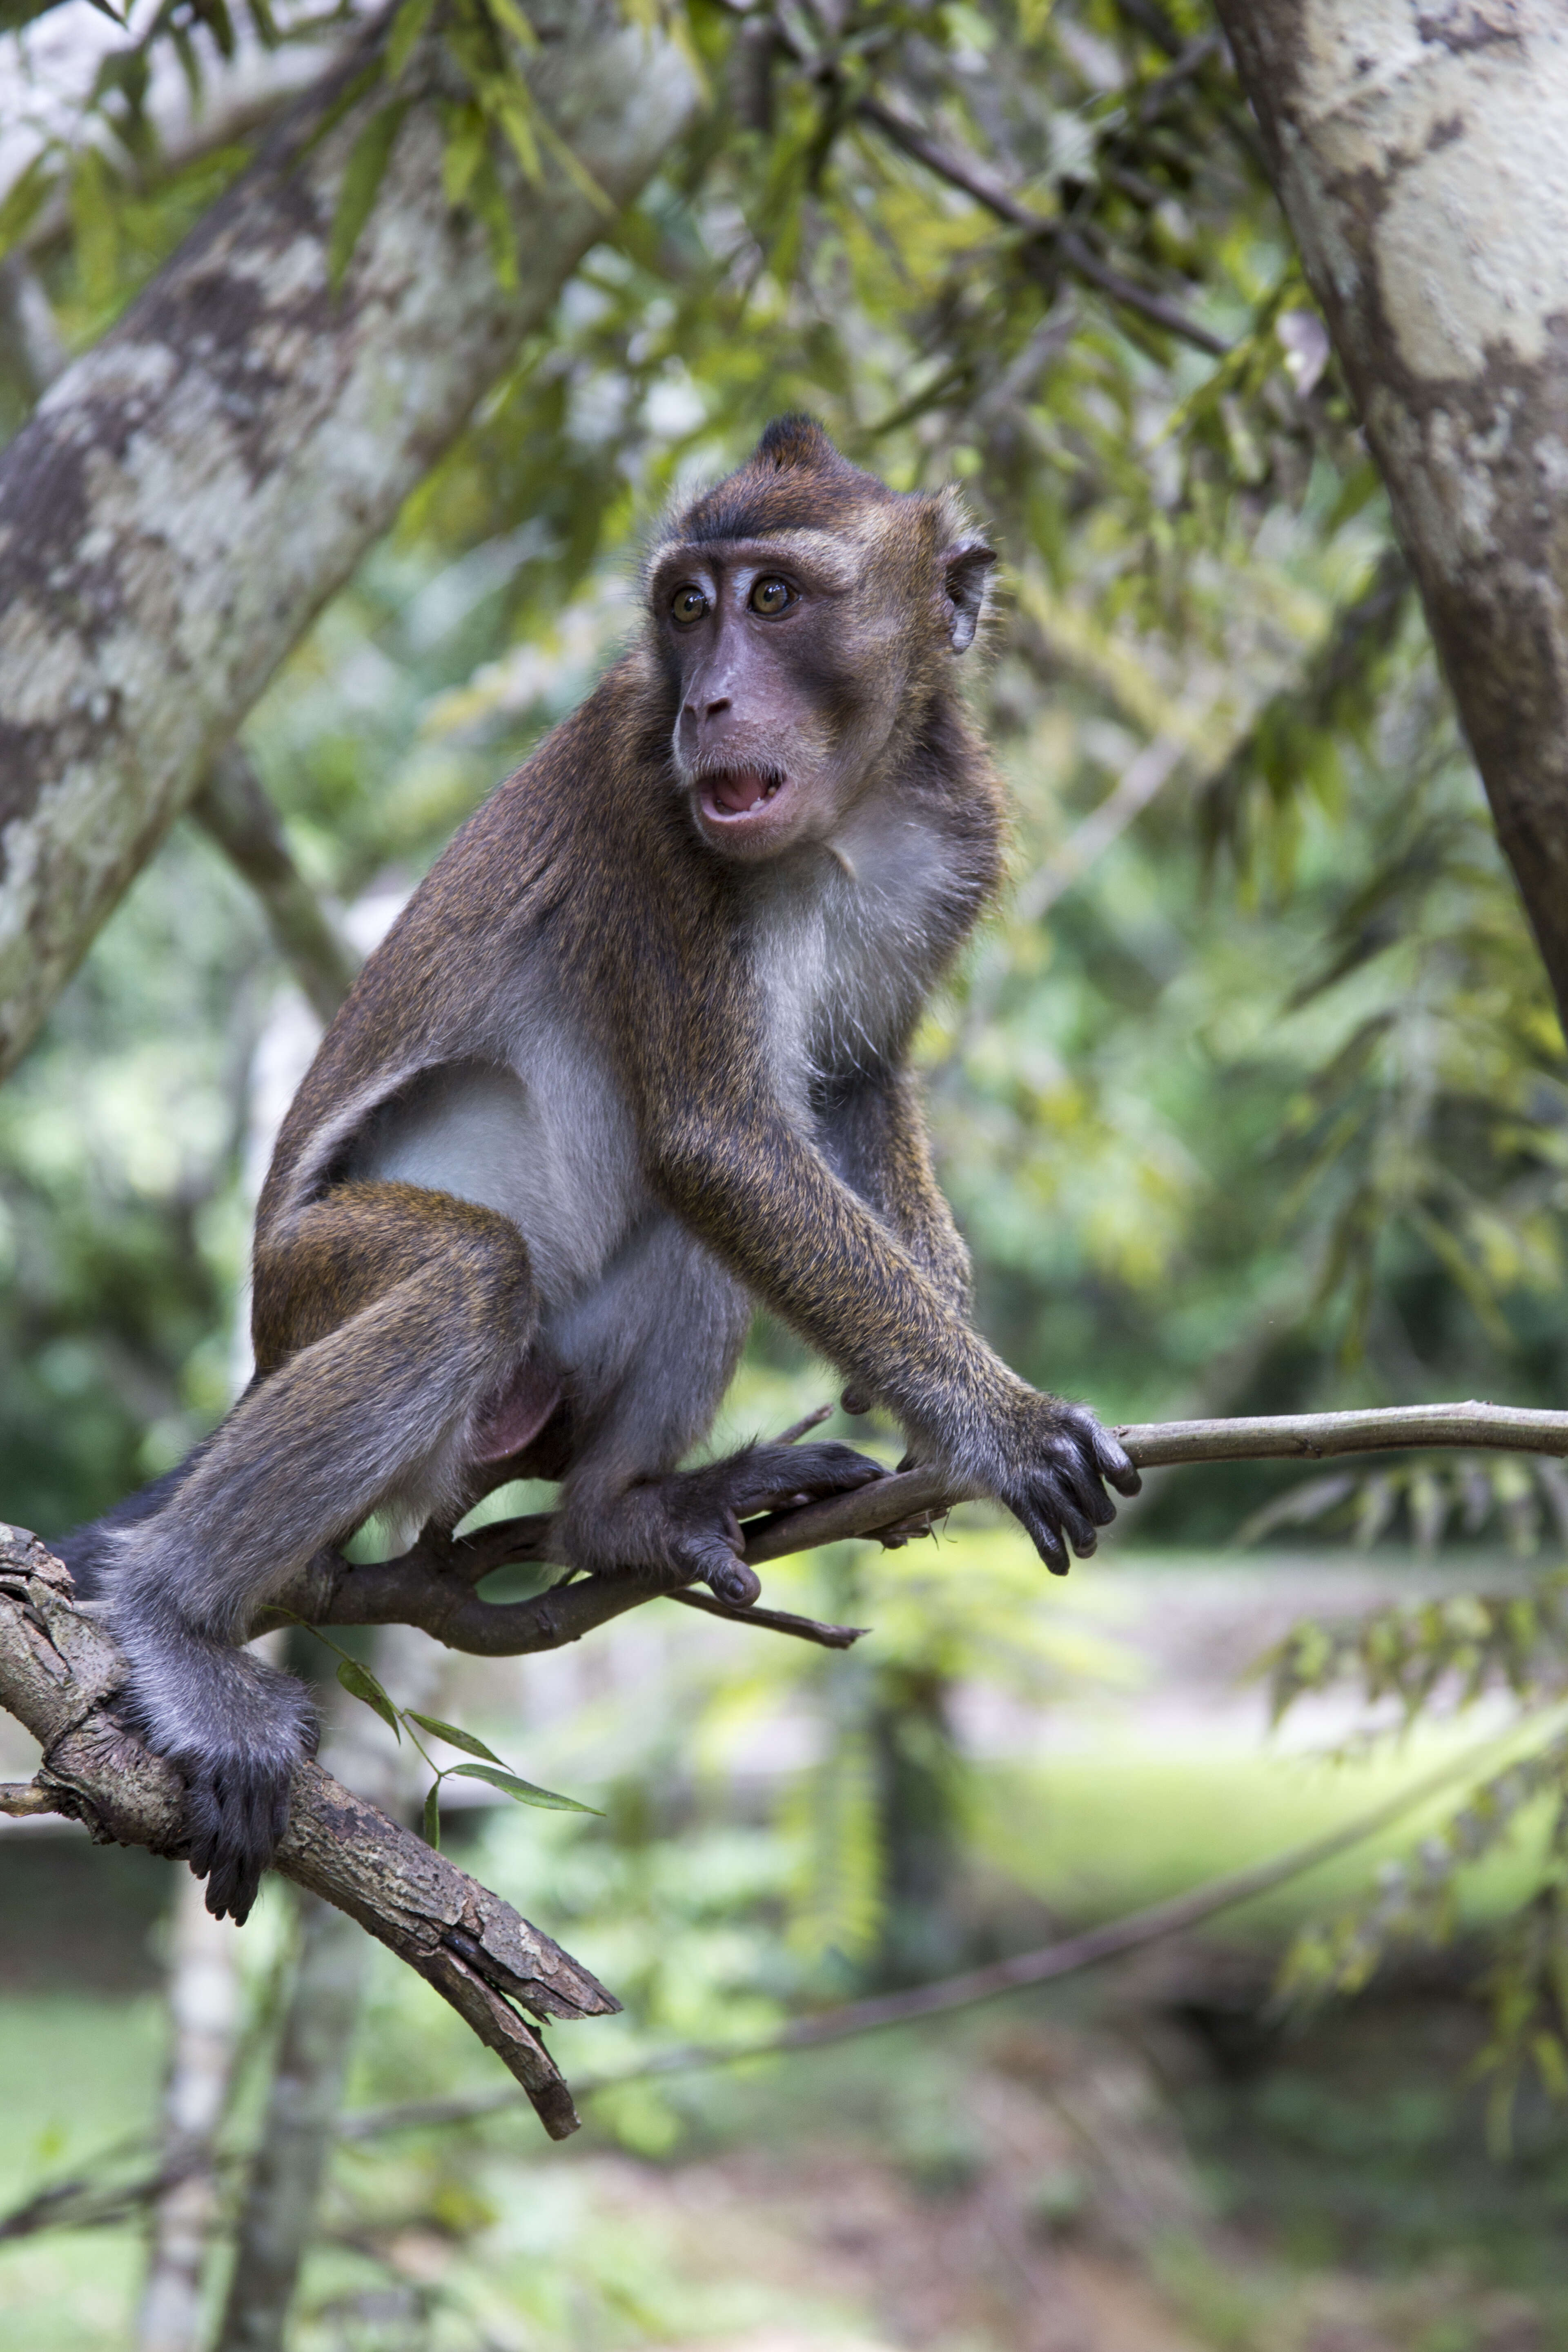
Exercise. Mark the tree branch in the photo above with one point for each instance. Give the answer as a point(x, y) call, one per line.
point(59, 1672)
point(1072, 250)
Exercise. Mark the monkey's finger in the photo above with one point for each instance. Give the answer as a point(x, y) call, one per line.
point(1111, 1458)
point(1079, 1480)
point(855, 1402)
point(1043, 1533)
point(1078, 1529)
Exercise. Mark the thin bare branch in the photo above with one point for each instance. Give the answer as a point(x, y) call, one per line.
point(1069, 245)
point(234, 809)
point(432, 1584)
point(773, 1620)
point(23, 1801)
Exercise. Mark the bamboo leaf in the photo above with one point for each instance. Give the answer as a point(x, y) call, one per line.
point(451, 1734)
point(23, 197)
point(361, 1684)
point(468, 136)
point(510, 18)
point(432, 1821)
point(362, 176)
point(406, 27)
point(524, 1792)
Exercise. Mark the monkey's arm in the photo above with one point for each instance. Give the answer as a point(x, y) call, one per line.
point(874, 1134)
point(768, 1202)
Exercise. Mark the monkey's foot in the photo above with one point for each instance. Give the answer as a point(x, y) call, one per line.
point(234, 1730)
point(1059, 1491)
point(691, 1521)
point(236, 1810)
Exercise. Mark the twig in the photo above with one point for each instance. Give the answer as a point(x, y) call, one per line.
point(59, 1672)
point(1072, 250)
point(23, 1800)
point(1307, 1436)
point(233, 808)
point(773, 1620)
point(1045, 1965)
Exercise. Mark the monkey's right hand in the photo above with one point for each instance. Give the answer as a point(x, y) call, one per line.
point(1062, 1460)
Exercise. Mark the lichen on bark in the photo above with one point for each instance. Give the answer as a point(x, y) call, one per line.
point(188, 495)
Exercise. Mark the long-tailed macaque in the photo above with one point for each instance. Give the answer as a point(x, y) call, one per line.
point(631, 1061)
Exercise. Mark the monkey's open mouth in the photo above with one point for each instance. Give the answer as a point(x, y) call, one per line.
point(738, 793)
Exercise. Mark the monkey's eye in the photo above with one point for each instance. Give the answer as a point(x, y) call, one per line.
point(771, 596)
point(688, 605)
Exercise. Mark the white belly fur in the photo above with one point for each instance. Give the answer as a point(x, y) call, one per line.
point(550, 1148)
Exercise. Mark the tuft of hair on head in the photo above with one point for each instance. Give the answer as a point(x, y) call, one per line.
point(794, 478)
point(797, 440)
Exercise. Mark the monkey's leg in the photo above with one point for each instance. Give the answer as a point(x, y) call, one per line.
point(651, 1354)
point(385, 1406)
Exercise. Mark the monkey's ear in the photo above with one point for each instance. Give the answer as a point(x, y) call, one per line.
point(965, 567)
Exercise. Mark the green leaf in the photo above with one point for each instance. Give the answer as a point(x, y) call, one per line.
point(25, 196)
point(451, 1734)
point(468, 136)
point(360, 1682)
point(510, 18)
point(362, 176)
point(433, 1814)
point(523, 1790)
point(406, 27)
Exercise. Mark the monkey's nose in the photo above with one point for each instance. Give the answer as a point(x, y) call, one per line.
point(700, 721)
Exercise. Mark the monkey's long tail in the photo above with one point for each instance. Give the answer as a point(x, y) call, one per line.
point(89, 1551)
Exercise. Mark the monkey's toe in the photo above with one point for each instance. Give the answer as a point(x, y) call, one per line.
point(775, 1477)
point(729, 1579)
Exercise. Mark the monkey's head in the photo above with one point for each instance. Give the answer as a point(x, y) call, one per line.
point(804, 617)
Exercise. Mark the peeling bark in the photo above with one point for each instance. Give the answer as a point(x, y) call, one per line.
point(1420, 149)
point(188, 495)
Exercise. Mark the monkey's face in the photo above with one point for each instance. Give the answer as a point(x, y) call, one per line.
point(790, 659)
